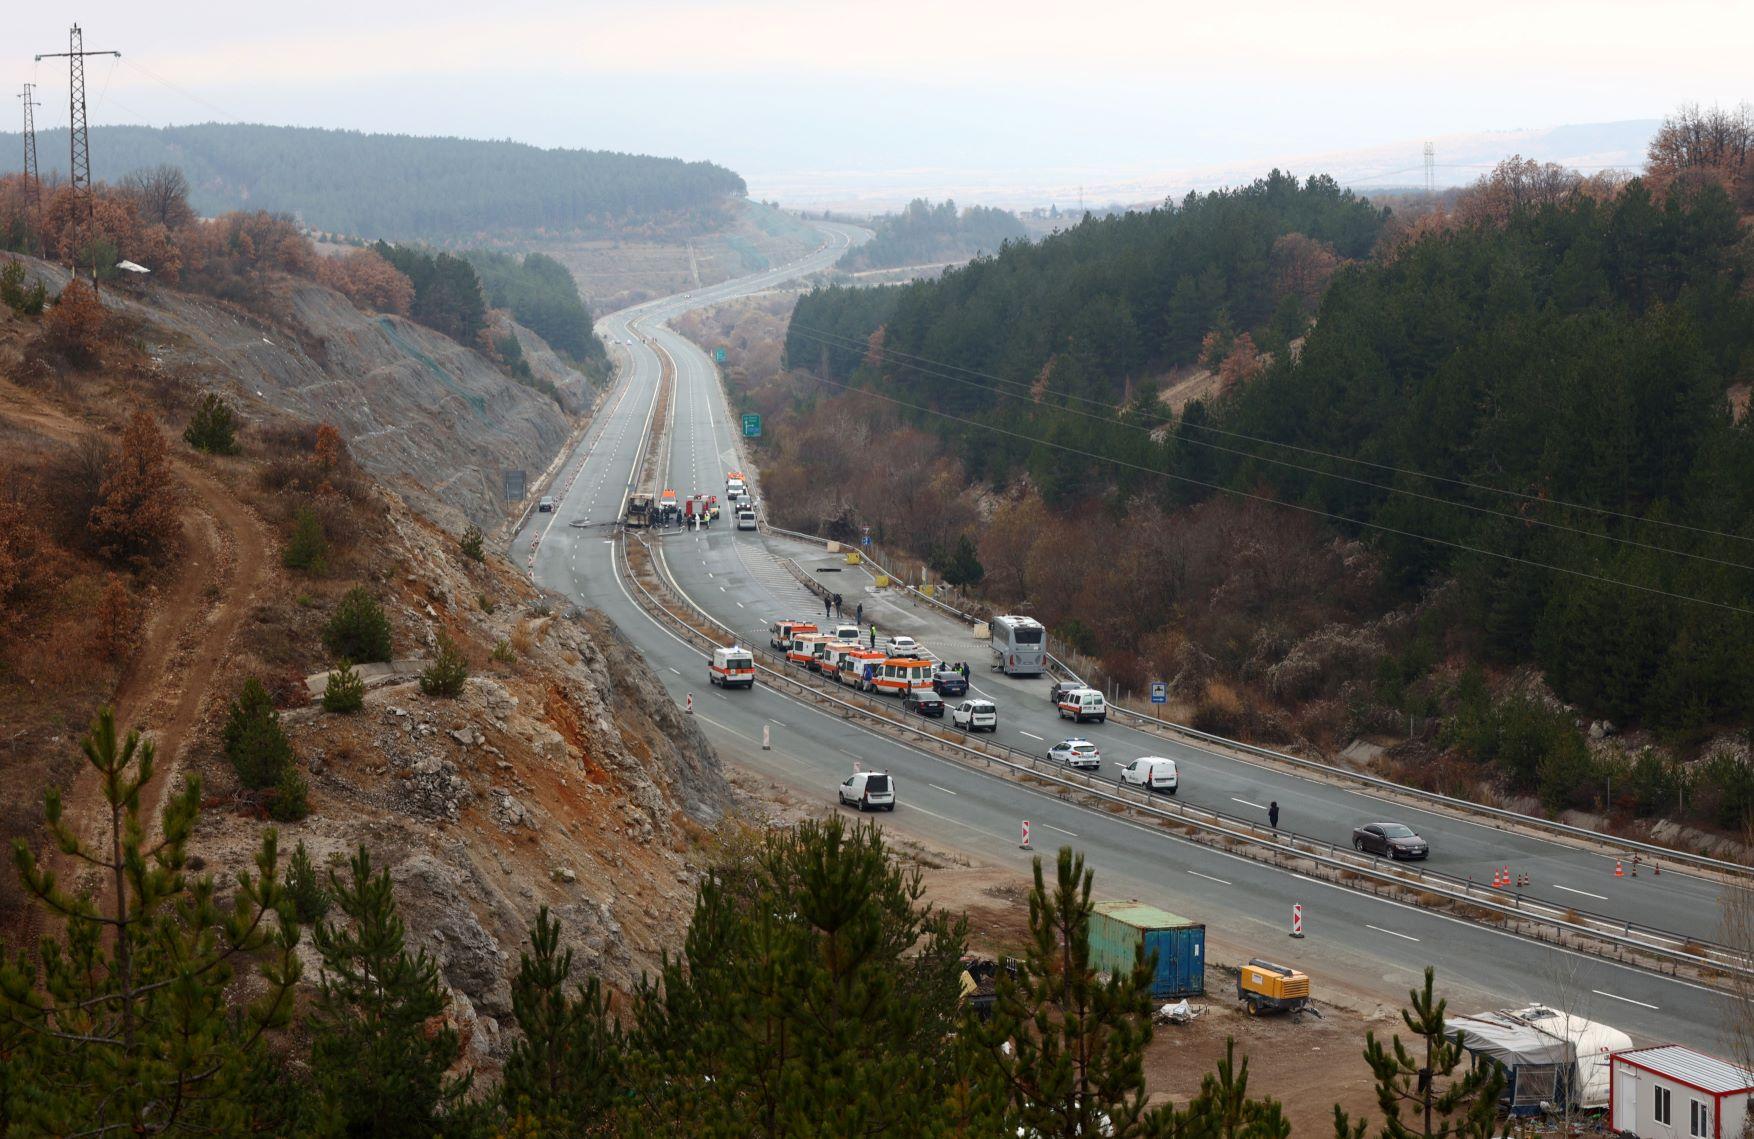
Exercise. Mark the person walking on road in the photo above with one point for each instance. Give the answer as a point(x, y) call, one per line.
point(827, 608)
point(1273, 814)
point(860, 618)
point(873, 634)
point(837, 609)
point(965, 672)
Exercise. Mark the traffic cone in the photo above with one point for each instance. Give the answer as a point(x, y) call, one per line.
point(1635, 866)
point(1619, 870)
point(1507, 877)
point(1656, 868)
point(1496, 882)
point(1522, 881)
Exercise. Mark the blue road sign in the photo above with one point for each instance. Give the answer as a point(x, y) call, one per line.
point(1159, 692)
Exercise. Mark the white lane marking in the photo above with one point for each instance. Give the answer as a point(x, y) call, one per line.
point(739, 605)
point(1585, 893)
point(1031, 735)
point(1392, 933)
point(1246, 803)
point(677, 671)
point(770, 719)
point(1208, 878)
point(1063, 831)
point(1011, 840)
point(1628, 1000)
point(946, 790)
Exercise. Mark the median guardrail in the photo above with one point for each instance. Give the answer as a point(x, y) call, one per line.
point(1612, 845)
point(1514, 912)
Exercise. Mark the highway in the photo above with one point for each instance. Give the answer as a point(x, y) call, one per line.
point(1382, 945)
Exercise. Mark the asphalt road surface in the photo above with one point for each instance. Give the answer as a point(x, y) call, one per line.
point(1383, 945)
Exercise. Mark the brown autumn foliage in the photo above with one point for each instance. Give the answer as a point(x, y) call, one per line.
point(1715, 145)
point(368, 280)
point(1302, 267)
point(1242, 364)
point(74, 325)
point(135, 521)
point(73, 223)
point(117, 627)
point(17, 542)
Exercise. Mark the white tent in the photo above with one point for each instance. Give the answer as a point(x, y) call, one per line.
point(131, 267)
point(1547, 1054)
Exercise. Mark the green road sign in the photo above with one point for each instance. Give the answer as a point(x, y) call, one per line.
point(751, 426)
point(719, 355)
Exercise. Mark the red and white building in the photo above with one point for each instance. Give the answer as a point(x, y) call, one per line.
point(1673, 1092)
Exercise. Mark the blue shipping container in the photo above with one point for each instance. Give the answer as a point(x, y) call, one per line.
point(1118, 929)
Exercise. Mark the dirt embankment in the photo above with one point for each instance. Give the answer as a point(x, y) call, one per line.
point(431, 419)
point(562, 775)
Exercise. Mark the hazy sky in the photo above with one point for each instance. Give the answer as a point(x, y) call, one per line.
point(776, 90)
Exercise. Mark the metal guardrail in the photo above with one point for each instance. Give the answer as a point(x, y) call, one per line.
point(1511, 906)
point(1448, 803)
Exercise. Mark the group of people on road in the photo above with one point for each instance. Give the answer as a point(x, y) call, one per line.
point(831, 606)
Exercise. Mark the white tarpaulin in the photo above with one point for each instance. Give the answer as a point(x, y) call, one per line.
point(1538, 1046)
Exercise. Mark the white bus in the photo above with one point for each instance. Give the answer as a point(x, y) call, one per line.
point(1020, 645)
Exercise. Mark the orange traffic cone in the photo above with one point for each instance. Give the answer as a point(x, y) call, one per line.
point(1656, 868)
point(1619, 870)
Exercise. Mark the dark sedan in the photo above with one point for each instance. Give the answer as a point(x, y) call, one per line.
point(1396, 840)
point(949, 682)
point(923, 703)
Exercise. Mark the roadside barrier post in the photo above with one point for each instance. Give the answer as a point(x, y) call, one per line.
point(689, 707)
point(1297, 919)
point(766, 739)
point(1024, 845)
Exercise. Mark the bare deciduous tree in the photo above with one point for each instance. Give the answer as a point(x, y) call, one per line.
point(161, 195)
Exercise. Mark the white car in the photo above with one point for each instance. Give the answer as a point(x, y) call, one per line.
point(869, 791)
point(545, 505)
point(1152, 772)
point(902, 647)
point(975, 716)
point(1076, 753)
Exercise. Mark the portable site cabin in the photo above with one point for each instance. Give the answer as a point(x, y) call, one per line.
point(1672, 1092)
point(1548, 1056)
point(1119, 929)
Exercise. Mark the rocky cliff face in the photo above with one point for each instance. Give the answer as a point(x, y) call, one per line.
point(429, 418)
point(563, 777)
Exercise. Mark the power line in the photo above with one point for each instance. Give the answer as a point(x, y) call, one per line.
point(1463, 546)
point(1488, 511)
point(1523, 496)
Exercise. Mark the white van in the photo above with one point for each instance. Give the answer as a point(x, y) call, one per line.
point(975, 716)
point(1080, 704)
point(1152, 772)
point(869, 791)
point(745, 518)
point(846, 634)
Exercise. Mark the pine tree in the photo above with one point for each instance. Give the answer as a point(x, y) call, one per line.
point(359, 629)
point(345, 690)
point(1443, 1103)
point(121, 1021)
point(815, 995)
point(447, 672)
point(1223, 1109)
point(566, 1072)
point(378, 1055)
point(253, 739)
point(213, 427)
point(471, 545)
point(307, 549)
point(1075, 1061)
point(304, 888)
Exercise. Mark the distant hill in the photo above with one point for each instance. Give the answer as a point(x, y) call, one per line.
point(402, 187)
point(925, 234)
